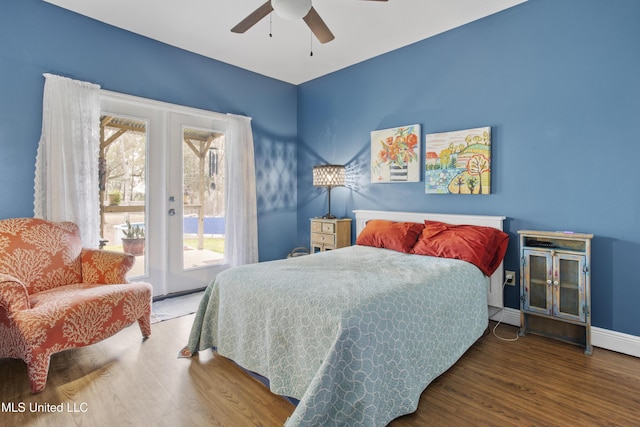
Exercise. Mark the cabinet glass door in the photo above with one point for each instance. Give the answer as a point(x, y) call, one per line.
point(537, 291)
point(568, 281)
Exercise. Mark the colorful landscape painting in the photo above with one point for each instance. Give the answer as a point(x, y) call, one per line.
point(458, 162)
point(395, 154)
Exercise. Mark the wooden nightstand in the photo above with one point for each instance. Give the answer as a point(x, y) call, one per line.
point(555, 285)
point(327, 234)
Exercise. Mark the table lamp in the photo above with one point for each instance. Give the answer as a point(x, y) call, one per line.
point(329, 176)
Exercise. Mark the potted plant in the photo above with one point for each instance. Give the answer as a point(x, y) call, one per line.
point(133, 240)
point(114, 198)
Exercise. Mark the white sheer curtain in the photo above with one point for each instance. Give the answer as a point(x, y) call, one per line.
point(66, 179)
point(241, 211)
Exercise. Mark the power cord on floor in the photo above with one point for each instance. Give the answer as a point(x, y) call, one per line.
point(501, 316)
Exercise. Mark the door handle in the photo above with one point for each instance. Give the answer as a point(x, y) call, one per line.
point(172, 212)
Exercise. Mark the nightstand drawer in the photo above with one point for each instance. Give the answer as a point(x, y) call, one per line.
point(323, 227)
point(325, 239)
point(328, 227)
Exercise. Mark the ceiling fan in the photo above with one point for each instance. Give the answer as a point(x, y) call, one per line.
point(290, 10)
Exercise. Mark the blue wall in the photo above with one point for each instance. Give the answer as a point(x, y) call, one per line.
point(38, 37)
point(557, 81)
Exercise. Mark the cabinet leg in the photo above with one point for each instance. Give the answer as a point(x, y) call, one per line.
point(588, 348)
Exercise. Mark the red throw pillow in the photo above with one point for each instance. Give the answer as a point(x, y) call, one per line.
point(484, 247)
point(399, 236)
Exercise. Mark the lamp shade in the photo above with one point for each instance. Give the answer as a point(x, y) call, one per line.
point(329, 175)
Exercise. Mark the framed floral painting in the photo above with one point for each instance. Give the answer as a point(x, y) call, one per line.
point(458, 162)
point(395, 154)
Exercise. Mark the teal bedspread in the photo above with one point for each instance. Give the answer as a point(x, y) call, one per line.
point(356, 334)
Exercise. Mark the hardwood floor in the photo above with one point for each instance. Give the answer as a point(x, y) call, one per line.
point(121, 381)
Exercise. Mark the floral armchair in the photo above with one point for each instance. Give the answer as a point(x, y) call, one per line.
point(56, 295)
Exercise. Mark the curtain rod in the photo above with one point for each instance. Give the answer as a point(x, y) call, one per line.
point(176, 108)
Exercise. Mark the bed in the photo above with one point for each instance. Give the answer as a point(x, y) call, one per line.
point(354, 334)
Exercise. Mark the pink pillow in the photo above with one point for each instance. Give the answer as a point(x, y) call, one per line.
point(484, 247)
point(399, 236)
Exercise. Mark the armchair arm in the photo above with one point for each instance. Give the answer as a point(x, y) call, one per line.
point(13, 294)
point(105, 267)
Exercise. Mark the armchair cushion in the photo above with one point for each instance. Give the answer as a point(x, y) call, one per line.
point(82, 314)
point(56, 295)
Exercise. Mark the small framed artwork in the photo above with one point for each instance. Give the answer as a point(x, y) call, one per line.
point(395, 154)
point(458, 162)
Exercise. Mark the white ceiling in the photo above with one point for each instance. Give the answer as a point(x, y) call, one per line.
point(363, 29)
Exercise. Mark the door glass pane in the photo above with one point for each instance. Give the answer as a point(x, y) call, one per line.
point(123, 157)
point(203, 197)
point(538, 281)
point(569, 287)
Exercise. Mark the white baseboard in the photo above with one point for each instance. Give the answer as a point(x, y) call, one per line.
point(603, 338)
point(507, 315)
point(615, 341)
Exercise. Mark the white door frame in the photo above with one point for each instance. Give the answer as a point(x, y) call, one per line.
point(157, 114)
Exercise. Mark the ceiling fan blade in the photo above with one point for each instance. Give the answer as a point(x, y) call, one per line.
point(253, 18)
point(318, 27)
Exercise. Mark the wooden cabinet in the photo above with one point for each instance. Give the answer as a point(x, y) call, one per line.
point(555, 285)
point(327, 234)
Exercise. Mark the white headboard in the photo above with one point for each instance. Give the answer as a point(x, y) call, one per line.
point(494, 287)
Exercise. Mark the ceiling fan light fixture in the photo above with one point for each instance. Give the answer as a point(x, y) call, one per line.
point(291, 9)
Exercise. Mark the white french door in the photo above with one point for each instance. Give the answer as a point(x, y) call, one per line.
point(178, 198)
point(195, 200)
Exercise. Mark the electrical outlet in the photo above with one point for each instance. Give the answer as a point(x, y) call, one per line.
point(510, 277)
